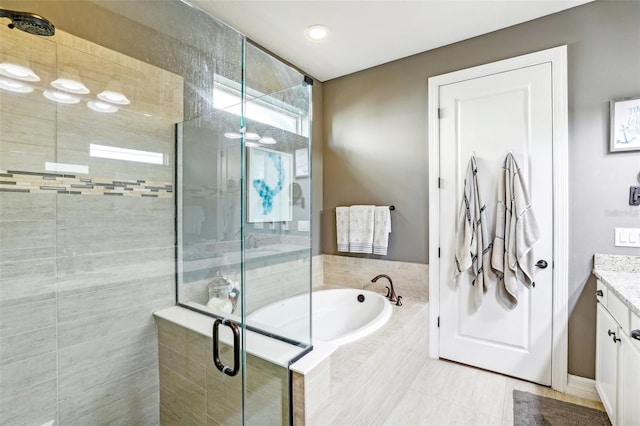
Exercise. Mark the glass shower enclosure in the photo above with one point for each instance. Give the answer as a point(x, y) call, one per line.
point(150, 156)
point(243, 220)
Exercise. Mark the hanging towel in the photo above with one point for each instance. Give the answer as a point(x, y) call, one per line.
point(342, 228)
point(516, 230)
point(473, 246)
point(381, 229)
point(361, 229)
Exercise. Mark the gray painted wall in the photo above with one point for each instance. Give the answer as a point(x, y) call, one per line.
point(375, 146)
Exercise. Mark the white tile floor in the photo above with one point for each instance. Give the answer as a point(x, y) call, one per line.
point(446, 393)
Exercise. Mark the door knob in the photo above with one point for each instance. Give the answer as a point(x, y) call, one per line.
point(542, 264)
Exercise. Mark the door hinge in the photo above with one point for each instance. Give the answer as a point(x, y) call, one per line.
point(439, 182)
point(438, 322)
point(439, 112)
point(438, 251)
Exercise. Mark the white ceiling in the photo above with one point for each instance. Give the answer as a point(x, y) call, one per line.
point(369, 33)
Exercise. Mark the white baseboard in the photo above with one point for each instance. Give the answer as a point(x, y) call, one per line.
point(582, 387)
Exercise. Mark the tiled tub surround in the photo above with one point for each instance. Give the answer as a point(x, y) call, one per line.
point(80, 274)
point(621, 275)
point(409, 279)
point(362, 382)
point(194, 392)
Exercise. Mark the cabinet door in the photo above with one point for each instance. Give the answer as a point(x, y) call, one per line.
point(630, 382)
point(607, 361)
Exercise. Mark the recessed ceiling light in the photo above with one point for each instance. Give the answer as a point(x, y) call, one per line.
point(15, 86)
point(232, 135)
point(70, 85)
point(18, 71)
point(114, 97)
point(102, 106)
point(267, 140)
point(251, 136)
point(60, 97)
point(316, 32)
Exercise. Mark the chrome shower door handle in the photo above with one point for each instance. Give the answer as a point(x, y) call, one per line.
point(236, 347)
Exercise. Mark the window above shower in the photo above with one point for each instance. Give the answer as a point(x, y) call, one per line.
point(263, 108)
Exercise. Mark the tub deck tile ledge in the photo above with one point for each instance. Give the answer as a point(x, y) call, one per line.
point(272, 350)
point(321, 351)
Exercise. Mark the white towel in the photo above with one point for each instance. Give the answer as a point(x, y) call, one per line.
point(381, 229)
point(361, 229)
point(473, 246)
point(342, 228)
point(516, 231)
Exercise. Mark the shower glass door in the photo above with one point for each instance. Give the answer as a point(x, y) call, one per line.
point(278, 196)
point(243, 228)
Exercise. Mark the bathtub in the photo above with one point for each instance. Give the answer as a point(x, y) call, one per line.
point(338, 316)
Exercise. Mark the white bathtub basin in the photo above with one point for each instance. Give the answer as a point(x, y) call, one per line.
point(338, 316)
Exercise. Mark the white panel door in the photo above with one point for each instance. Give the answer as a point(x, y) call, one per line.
point(491, 116)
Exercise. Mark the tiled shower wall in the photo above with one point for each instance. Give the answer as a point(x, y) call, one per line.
point(85, 258)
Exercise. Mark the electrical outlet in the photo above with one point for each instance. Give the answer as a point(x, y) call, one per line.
point(303, 225)
point(258, 225)
point(627, 237)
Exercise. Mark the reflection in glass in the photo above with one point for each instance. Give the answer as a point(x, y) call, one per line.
point(244, 222)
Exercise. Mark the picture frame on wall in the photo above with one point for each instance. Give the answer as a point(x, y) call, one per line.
point(268, 194)
point(625, 125)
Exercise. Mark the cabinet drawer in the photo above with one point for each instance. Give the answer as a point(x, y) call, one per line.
point(618, 310)
point(601, 289)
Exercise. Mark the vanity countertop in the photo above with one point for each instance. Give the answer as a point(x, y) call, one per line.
point(621, 274)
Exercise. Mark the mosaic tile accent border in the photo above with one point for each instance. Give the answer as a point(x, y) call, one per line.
point(44, 183)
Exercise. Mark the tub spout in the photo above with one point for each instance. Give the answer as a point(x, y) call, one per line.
point(391, 293)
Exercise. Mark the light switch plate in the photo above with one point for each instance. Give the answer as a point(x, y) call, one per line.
point(627, 237)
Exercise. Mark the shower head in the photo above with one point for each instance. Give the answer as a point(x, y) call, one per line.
point(28, 22)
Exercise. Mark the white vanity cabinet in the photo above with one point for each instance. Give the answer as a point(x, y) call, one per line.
point(607, 361)
point(617, 359)
point(630, 381)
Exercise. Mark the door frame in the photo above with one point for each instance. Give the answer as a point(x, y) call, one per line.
point(557, 56)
